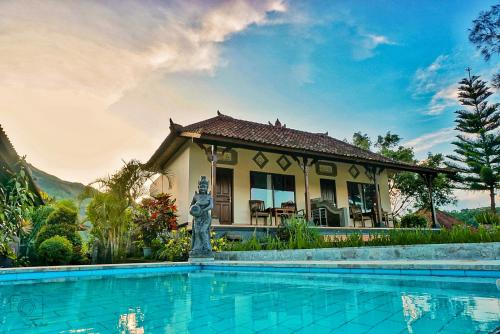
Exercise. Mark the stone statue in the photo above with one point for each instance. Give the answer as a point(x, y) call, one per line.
point(200, 208)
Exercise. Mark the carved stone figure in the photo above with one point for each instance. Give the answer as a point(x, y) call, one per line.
point(200, 208)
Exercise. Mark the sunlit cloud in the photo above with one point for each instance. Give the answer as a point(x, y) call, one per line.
point(64, 64)
point(427, 141)
point(426, 79)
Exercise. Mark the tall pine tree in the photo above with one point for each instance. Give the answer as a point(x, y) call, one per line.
point(477, 150)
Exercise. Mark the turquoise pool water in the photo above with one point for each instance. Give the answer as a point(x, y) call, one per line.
point(248, 302)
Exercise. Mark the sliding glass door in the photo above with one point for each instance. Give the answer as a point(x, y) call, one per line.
point(273, 189)
point(362, 195)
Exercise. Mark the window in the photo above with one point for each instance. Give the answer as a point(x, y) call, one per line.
point(361, 195)
point(273, 189)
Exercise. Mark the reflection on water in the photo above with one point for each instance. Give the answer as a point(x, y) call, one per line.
point(131, 322)
point(207, 302)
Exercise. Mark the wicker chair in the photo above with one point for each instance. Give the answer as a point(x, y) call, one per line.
point(388, 218)
point(357, 216)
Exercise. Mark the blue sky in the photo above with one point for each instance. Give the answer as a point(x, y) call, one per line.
point(108, 81)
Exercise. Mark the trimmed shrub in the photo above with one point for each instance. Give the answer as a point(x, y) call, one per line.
point(413, 220)
point(62, 215)
point(55, 251)
point(64, 230)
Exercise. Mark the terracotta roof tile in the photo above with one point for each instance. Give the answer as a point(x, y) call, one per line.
point(281, 136)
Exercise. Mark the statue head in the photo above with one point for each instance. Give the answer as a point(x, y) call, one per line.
point(203, 185)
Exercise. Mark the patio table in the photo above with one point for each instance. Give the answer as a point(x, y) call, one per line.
point(281, 212)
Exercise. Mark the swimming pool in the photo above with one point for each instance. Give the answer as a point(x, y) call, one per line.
point(215, 301)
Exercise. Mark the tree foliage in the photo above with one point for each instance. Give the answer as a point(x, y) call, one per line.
point(485, 35)
point(408, 189)
point(477, 148)
point(361, 140)
point(485, 32)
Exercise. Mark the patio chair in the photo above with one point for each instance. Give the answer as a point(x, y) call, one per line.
point(388, 218)
point(257, 209)
point(357, 216)
point(292, 206)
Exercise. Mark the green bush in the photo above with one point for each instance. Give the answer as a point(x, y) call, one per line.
point(176, 247)
point(62, 215)
point(413, 220)
point(55, 251)
point(64, 230)
point(488, 218)
point(298, 234)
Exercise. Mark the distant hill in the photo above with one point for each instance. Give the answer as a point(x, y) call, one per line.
point(54, 186)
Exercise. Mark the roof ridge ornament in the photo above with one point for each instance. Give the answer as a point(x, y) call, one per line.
point(277, 124)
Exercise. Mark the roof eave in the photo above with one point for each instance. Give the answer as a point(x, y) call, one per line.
point(320, 155)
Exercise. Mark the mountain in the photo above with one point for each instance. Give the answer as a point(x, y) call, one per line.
point(54, 186)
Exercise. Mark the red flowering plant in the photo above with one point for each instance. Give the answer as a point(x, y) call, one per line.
point(154, 216)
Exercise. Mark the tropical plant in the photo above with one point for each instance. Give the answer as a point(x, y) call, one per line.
point(477, 148)
point(110, 209)
point(5, 250)
point(56, 251)
point(297, 233)
point(16, 201)
point(217, 243)
point(488, 218)
point(176, 246)
point(154, 216)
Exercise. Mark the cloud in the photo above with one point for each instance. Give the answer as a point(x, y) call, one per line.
point(366, 45)
point(429, 140)
point(442, 99)
point(426, 79)
point(434, 82)
point(64, 64)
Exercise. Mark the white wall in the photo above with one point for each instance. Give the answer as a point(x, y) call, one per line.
point(178, 186)
point(199, 165)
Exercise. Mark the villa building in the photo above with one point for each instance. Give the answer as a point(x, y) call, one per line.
point(262, 172)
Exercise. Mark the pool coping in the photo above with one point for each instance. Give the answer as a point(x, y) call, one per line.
point(452, 268)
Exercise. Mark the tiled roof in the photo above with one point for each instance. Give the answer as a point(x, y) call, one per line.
point(277, 137)
point(280, 136)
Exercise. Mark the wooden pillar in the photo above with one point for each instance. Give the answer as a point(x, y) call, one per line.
point(305, 168)
point(213, 168)
point(378, 216)
point(429, 178)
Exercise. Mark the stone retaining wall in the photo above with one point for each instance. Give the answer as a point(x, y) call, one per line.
point(472, 251)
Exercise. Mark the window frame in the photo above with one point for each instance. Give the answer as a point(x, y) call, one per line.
point(272, 186)
point(361, 187)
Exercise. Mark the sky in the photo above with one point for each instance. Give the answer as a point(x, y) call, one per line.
point(88, 84)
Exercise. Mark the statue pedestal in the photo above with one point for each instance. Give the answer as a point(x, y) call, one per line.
point(200, 259)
